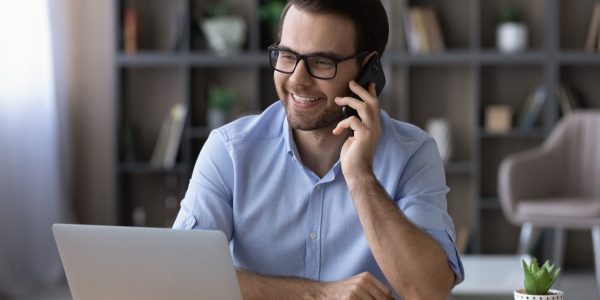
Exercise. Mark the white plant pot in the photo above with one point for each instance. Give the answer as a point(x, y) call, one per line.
point(554, 295)
point(224, 34)
point(439, 129)
point(216, 118)
point(511, 37)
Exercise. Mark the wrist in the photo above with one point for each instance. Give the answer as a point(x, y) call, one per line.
point(360, 179)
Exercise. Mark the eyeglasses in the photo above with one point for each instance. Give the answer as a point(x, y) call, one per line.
point(318, 66)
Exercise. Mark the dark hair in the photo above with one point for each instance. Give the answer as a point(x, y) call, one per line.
point(368, 16)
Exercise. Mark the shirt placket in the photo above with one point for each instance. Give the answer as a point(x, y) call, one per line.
point(313, 235)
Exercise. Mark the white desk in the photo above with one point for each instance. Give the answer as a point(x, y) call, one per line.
point(490, 275)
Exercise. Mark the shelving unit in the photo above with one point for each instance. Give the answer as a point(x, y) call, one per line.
point(467, 77)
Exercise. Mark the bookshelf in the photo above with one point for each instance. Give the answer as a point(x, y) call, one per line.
point(469, 75)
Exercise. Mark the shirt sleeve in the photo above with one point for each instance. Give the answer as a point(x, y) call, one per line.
point(421, 195)
point(208, 201)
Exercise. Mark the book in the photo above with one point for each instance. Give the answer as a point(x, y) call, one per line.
point(130, 29)
point(433, 30)
point(592, 43)
point(534, 109)
point(423, 31)
point(169, 138)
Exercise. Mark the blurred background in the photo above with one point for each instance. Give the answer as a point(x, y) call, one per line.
point(105, 104)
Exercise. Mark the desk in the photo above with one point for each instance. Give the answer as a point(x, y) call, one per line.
point(490, 276)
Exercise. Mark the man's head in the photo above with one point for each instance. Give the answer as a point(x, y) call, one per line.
point(332, 29)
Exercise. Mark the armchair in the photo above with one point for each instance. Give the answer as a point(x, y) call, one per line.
point(556, 185)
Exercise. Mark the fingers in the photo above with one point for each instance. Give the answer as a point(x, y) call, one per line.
point(353, 123)
point(372, 286)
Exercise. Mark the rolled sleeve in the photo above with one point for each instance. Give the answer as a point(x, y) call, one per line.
point(422, 199)
point(208, 201)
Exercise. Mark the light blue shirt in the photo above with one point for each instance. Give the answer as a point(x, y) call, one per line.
point(283, 220)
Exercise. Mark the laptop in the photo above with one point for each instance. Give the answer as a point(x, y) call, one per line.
point(135, 263)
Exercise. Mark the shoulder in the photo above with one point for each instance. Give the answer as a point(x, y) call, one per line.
point(267, 125)
point(401, 135)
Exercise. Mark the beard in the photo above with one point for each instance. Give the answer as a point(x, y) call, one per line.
point(327, 118)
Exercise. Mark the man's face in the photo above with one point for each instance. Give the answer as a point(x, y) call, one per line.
point(309, 102)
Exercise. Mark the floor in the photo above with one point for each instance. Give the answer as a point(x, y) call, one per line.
point(576, 285)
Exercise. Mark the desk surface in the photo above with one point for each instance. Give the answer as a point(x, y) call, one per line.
point(491, 275)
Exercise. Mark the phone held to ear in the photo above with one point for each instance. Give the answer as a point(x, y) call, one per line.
point(371, 72)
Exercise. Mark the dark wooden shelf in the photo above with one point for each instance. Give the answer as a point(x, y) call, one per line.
point(146, 168)
point(192, 59)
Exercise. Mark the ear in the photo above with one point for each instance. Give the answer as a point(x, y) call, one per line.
point(368, 57)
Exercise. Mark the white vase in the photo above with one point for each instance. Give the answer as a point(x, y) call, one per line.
point(216, 118)
point(225, 34)
point(439, 129)
point(511, 37)
point(554, 295)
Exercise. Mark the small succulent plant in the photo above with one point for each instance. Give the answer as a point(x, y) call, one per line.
point(539, 280)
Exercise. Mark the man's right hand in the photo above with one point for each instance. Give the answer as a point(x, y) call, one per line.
point(361, 286)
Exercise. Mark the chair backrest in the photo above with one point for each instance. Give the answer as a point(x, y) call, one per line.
point(578, 136)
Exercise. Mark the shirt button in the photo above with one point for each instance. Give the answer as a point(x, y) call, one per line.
point(312, 235)
point(189, 221)
point(318, 187)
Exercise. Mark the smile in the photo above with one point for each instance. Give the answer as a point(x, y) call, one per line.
point(303, 99)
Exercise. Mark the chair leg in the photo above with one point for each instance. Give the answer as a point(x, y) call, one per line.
point(528, 238)
point(596, 242)
point(558, 247)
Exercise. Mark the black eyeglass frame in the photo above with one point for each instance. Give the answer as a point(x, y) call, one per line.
point(305, 57)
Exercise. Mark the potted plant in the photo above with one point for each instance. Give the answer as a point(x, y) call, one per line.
point(511, 33)
point(224, 31)
point(269, 13)
point(538, 282)
point(220, 101)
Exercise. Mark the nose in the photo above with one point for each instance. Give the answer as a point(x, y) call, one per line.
point(300, 75)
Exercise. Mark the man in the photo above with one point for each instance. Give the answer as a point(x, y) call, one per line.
point(312, 212)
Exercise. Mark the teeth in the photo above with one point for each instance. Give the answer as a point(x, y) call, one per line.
point(304, 99)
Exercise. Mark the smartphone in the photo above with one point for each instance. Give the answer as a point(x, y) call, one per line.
point(371, 72)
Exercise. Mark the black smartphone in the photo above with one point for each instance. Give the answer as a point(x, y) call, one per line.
point(371, 72)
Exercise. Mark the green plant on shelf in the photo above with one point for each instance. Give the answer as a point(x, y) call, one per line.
point(539, 280)
point(221, 98)
point(510, 15)
point(270, 12)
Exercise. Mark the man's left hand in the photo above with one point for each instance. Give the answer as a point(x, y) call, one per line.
point(358, 151)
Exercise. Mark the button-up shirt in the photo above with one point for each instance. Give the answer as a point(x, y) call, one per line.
point(284, 220)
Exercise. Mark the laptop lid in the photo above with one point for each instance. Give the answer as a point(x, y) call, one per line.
point(134, 263)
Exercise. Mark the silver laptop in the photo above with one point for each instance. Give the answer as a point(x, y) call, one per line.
point(133, 263)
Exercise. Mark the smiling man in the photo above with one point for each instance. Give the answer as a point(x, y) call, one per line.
point(311, 211)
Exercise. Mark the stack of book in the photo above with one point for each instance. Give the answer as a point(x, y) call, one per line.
point(167, 145)
point(423, 31)
point(592, 43)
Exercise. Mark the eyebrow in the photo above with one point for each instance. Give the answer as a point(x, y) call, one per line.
point(319, 53)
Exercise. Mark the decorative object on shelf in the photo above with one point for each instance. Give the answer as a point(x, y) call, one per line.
point(269, 13)
point(498, 118)
point(439, 129)
point(511, 33)
point(220, 101)
point(538, 281)
point(130, 28)
point(167, 144)
point(225, 32)
point(592, 43)
point(532, 108)
point(423, 31)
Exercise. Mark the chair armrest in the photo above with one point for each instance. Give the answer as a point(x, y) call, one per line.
point(529, 174)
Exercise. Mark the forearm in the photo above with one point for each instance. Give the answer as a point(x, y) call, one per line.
point(254, 286)
point(410, 259)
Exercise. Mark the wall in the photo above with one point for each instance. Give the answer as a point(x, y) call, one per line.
point(88, 66)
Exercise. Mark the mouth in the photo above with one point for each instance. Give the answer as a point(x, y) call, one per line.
point(304, 99)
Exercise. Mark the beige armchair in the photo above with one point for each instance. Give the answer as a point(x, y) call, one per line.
point(556, 185)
